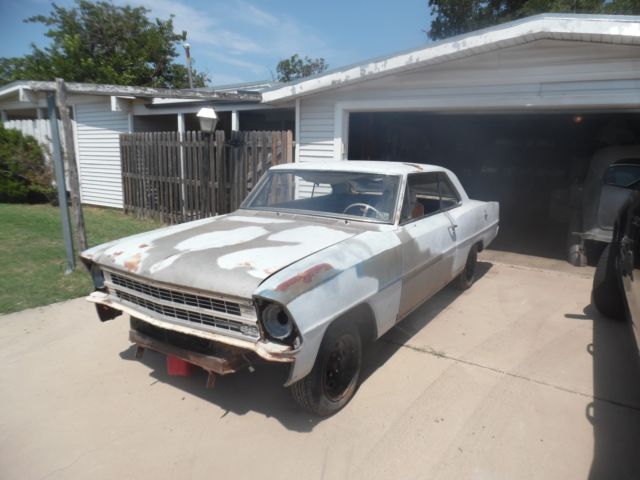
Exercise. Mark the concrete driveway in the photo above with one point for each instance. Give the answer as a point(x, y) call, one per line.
point(516, 378)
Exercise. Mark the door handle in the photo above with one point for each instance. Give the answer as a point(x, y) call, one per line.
point(453, 227)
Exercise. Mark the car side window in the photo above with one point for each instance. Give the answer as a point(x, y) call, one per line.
point(623, 174)
point(422, 197)
point(448, 193)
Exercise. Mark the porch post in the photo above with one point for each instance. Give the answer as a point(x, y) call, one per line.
point(235, 120)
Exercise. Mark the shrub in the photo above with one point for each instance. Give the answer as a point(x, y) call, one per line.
point(24, 174)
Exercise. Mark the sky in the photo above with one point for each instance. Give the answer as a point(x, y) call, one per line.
point(243, 40)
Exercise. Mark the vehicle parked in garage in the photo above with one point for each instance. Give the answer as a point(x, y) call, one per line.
point(319, 259)
point(603, 194)
point(616, 284)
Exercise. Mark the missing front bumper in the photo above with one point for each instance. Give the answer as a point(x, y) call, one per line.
point(269, 351)
point(220, 364)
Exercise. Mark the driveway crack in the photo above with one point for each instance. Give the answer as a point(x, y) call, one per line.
point(439, 354)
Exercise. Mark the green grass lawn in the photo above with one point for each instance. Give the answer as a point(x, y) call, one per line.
point(33, 257)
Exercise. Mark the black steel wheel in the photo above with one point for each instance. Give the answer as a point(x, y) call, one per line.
point(334, 378)
point(340, 367)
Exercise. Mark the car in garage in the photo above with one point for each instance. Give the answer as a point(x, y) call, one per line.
point(603, 193)
point(318, 260)
point(616, 283)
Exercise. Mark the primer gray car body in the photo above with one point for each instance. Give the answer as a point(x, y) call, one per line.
point(601, 202)
point(316, 266)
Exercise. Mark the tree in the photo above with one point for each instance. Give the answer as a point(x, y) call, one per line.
point(453, 17)
point(98, 42)
point(295, 67)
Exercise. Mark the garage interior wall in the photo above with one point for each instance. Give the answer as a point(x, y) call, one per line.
point(533, 164)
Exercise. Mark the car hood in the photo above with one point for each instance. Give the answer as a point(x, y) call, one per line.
point(230, 254)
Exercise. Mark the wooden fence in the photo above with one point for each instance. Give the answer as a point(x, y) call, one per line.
point(177, 177)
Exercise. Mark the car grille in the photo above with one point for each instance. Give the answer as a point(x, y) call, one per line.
point(186, 308)
point(174, 296)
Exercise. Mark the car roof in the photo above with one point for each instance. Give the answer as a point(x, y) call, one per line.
point(365, 166)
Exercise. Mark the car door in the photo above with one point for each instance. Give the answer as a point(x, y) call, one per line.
point(467, 220)
point(630, 260)
point(428, 242)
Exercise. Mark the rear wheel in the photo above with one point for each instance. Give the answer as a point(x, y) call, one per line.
point(606, 294)
point(468, 275)
point(334, 378)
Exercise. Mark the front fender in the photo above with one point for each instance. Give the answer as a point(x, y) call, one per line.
point(320, 288)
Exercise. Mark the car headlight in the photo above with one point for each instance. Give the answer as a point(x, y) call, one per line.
point(97, 276)
point(277, 322)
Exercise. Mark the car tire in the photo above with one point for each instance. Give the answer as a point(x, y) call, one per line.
point(606, 294)
point(334, 378)
point(468, 274)
point(576, 255)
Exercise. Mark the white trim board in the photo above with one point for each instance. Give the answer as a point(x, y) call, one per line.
point(587, 28)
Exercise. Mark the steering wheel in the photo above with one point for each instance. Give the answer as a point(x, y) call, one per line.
point(365, 209)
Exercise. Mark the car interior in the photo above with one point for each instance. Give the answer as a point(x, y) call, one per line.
point(427, 194)
point(355, 194)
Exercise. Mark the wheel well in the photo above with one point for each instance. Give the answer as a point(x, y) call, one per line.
point(363, 317)
point(479, 245)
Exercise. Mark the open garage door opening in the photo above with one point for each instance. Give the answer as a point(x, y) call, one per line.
point(535, 165)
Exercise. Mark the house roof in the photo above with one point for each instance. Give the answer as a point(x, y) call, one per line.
point(617, 29)
point(255, 86)
point(26, 88)
point(244, 87)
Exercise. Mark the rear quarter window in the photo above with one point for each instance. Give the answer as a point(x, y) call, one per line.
point(624, 173)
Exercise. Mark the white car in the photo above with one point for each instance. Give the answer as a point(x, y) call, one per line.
point(318, 259)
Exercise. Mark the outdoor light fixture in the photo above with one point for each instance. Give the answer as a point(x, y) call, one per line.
point(208, 119)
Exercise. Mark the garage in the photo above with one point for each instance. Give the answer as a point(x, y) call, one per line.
point(534, 164)
point(517, 111)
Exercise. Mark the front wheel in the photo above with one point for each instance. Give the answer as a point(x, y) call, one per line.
point(468, 275)
point(334, 377)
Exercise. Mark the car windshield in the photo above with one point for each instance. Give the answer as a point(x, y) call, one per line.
point(356, 195)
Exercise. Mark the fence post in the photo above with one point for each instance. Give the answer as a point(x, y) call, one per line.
point(288, 147)
point(62, 189)
point(70, 153)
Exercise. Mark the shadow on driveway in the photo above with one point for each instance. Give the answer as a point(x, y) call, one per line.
point(262, 391)
point(614, 412)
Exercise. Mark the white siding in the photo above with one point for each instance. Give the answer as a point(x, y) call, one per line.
point(98, 148)
point(39, 129)
point(316, 129)
point(545, 74)
point(316, 137)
